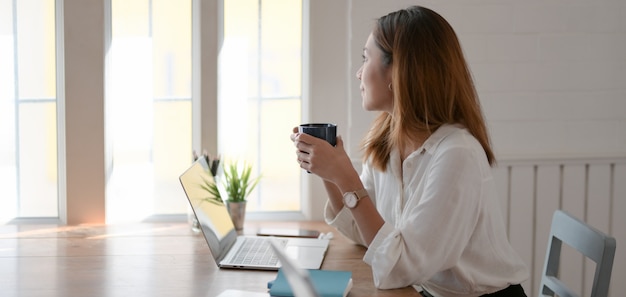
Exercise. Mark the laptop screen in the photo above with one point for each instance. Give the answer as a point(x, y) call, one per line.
point(213, 217)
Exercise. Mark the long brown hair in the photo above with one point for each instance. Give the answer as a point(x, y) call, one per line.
point(431, 82)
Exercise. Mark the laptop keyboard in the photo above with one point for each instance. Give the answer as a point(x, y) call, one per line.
point(256, 251)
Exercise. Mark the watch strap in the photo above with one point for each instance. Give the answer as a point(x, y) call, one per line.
point(361, 193)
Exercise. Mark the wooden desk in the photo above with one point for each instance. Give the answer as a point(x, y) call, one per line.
point(155, 259)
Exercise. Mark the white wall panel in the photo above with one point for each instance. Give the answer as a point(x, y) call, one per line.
point(501, 179)
point(598, 206)
point(573, 201)
point(548, 199)
point(521, 215)
point(618, 230)
point(594, 190)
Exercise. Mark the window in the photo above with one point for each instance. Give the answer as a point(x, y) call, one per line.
point(148, 107)
point(148, 104)
point(28, 103)
point(260, 95)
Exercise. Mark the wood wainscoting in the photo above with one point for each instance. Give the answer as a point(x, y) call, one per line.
point(592, 189)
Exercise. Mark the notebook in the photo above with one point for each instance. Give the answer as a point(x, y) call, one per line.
point(231, 250)
point(295, 281)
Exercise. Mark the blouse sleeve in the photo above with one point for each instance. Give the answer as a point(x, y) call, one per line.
point(343, 221)
point(435, 224)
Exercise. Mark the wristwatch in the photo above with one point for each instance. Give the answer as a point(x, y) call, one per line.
point(351, 199)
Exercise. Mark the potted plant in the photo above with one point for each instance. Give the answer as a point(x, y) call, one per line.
point(233, 188)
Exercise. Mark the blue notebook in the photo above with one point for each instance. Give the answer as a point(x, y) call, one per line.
point(327, 283)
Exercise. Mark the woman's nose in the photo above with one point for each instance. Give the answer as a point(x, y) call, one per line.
point(359, 72)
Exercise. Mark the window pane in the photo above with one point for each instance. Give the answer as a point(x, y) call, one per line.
point(172, 147)
point(171, 40)
point(260, 71)
point(149, 107)
point(240, 51)
point(38, 167)
point(281, 48)
point(28, 151)
point(35, 46)
point(281, 174)
point(8, 162)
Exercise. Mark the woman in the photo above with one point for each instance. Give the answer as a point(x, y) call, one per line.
point(425, 203)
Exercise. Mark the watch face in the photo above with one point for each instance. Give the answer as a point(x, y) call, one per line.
point(350, 200)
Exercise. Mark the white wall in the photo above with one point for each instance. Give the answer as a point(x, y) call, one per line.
point(551, 75)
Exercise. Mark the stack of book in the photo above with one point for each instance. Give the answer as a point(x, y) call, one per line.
point(327, 283)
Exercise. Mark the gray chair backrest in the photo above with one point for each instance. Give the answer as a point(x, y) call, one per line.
point(592, 243)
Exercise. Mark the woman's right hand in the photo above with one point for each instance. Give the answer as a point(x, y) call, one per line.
point(322, 159)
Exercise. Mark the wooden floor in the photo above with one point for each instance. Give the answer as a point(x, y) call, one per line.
point(155, 259)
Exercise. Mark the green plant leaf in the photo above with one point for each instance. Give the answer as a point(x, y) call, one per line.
point(214, 193)
point(237, 182)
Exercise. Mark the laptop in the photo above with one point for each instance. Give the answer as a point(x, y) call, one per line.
point(231, 250)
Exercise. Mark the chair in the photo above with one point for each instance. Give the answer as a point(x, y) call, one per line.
point(589, 241)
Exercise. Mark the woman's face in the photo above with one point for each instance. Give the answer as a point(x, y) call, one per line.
point(375, 79)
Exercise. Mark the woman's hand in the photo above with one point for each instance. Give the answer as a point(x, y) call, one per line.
point(319, 157)
point(333, 165)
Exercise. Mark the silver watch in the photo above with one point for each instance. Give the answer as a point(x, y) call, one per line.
point(351, 199)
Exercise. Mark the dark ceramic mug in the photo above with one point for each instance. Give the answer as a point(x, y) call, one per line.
point(324, 131)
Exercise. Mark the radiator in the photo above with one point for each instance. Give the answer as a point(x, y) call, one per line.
point(592, 189)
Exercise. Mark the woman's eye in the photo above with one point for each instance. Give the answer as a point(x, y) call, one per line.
point(364, 59)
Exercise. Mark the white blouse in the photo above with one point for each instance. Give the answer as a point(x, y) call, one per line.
point(443, 227)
